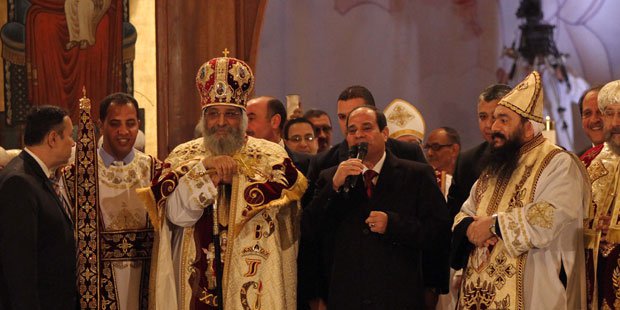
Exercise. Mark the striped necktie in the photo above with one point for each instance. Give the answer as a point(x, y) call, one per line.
point(58, 188)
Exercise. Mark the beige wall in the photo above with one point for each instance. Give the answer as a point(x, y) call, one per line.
point(142, 16)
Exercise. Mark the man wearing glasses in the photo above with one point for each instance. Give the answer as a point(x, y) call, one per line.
point(231, 202)
point(299, 136)
point(266, 119)
point(322, 128)
point(442, 149)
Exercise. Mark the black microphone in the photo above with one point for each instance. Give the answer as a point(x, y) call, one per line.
point(351, 180)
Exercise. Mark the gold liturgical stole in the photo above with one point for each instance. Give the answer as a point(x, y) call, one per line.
point(493, 278)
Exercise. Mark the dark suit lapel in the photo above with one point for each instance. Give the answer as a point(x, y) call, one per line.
point(343, 151)
point(388, 174)
point(290, 153)
point(33, 166)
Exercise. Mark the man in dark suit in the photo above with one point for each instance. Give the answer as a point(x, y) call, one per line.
point(37, 246)
point(349, 99)
point(266, 118)
point(376, 236)
point(469, 164)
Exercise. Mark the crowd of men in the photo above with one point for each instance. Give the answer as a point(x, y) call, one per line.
point(265, 212)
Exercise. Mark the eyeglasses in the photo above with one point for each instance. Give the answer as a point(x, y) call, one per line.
point(215, 114)
point(325, 129)
point(436, 146)
point(298, 138)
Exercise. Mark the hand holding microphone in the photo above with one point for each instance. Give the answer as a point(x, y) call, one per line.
point(349, 170)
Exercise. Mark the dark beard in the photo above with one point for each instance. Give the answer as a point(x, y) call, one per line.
point(503, 161)
point(226, 145)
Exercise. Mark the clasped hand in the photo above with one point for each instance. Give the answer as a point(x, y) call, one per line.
point(603, 226)
point(479, 233)
point(221, 168)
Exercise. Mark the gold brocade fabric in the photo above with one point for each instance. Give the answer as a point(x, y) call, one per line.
point(259, 256)
point(603, 255)
point(493, 278)
point(125, 236)
point(120, 207)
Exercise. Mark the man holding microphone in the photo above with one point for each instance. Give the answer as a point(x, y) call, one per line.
point(377, 233)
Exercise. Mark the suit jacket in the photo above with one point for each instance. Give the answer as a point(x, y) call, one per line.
point(468, 168)
point(363, 269)
point(301, 160)
point(340, 153)
point(37, 246)
point(307, 284)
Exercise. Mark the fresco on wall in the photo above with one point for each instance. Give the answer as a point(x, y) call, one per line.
point(51, 48)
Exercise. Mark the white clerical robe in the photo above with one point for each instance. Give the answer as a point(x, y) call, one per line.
point(258, 234)
point(551, 237)
point(124, 215)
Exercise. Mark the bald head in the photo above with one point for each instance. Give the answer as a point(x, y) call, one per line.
point(266, 117)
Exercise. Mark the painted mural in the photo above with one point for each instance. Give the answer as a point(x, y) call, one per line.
point(52, 48)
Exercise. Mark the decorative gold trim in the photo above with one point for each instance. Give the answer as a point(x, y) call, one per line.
point(540, 214)
point(148, 200)
point(13, 55)
point(231, 240)
point(87, 222)
point(405, 132)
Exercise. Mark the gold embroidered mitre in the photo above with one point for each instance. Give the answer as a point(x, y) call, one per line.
point(224, 81)
point(526, 99)
point(403, 119)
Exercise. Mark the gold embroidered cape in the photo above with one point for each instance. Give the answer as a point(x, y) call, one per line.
point(260, 230)
point(604, 174)
point(540, 210)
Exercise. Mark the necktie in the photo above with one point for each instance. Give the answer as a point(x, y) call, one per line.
point(369, 175)
point(56, 185)
point(58, 189)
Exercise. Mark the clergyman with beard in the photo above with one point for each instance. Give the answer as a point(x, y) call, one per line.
point(519, 234)
point(602, 231)
point(229, 205)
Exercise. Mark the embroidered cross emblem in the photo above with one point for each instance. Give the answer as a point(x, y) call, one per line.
point(400, 116)
point(125, 246)
point(500, 270)
point(541, 214)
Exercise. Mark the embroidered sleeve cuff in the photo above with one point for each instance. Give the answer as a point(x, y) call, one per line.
point(514, 232)
point(201, 189)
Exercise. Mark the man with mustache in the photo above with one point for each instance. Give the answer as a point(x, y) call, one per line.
point(381, 234)
point(592, 124)
point(602, 232)
point(37, 245)
point(230, 205)
point(469, 164)
point(322, 128)
point(266, 119)
point(121, 169)
point(519, 233)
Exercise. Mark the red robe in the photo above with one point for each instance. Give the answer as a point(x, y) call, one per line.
point(56, 75)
